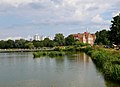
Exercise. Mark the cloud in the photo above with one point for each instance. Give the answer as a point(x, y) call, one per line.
point(99, 19)
point(68, 14)
point(16, 3)
point(115, 13)
point(60, 9)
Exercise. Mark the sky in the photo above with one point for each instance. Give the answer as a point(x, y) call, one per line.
point(25, 18)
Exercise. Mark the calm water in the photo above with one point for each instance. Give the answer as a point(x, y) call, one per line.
point(21, 70)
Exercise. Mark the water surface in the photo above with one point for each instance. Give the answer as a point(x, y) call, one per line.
point(21, 70)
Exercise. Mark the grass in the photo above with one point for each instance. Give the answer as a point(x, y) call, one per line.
point(50, 53)
point(108, 61)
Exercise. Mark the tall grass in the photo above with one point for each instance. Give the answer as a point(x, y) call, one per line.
point(50, 53)
point(107, 61)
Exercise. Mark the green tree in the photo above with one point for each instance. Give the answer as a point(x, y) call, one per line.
point(51, 43)
point(2, 44)
point(115, 30)
point(59, 39)
point(48, 43)
point(10, 44)
point(38, 44)
point(20, 43)
point(70, 40)
point(29, 45)
point(102, 37)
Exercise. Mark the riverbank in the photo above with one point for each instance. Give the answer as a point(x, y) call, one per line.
point(25, 50)
point(57, 51)
point(108, 61)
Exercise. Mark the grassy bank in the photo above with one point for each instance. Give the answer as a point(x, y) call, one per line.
point(108, 61)
point(46, 53)
point(59, 51)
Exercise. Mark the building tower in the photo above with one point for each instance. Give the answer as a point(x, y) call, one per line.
point(36, 37)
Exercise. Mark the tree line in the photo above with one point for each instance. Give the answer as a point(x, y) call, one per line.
point(104, 37)
point(111, 36)
point(59, 40)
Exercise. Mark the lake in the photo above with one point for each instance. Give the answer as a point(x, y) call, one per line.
point(20, 69)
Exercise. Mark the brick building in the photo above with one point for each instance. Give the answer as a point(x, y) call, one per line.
point(85, 37)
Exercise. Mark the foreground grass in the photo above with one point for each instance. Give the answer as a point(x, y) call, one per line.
point(108, 61)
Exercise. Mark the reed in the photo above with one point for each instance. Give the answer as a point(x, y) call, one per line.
point(107, 61)
point(50, 53)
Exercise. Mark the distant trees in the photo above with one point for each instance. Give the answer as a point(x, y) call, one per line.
point(105, 37)
point(44, 43)
point(29, 45)
point(20, 43)
point(2, 44)
point(10, 44)
point(70, 40)
point(59, 39)
point(48, 43)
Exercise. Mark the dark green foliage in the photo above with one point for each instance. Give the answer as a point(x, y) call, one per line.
point(70, 40)
point(59, 39)
point(48, 43)
point(10, 44)
point(102, 37)
point(78, 43)
point(29, 45)
point(70, 48)
point(115, 30)
point(3, 44)
point(112, 36)
point(107, 61)
point(51, 54)
point(20, 43)
point(38, 44)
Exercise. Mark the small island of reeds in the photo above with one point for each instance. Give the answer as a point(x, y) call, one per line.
point(48, 53)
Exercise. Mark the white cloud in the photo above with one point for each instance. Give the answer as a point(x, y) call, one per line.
point(83, 12)
point(115, 13)
point(98, 19)
point(12, 38)
point(17, 2)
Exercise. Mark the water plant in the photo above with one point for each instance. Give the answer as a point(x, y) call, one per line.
point(108, 62)
point(50, 53)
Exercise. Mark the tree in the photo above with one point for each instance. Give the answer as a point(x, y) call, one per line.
point(29, 45)
point(20, 43)
point(48, 43)
point(10, 44)
point(70, 40)
point(59, 39)
point(102, 37)
point(2, 44)
point(115, 30)
point(38, 44)
point(51, 43)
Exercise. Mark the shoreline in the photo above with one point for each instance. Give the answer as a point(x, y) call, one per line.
point(107, 61)
point(25, 50)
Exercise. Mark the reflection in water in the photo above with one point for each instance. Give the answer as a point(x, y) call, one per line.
point(75, 70)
